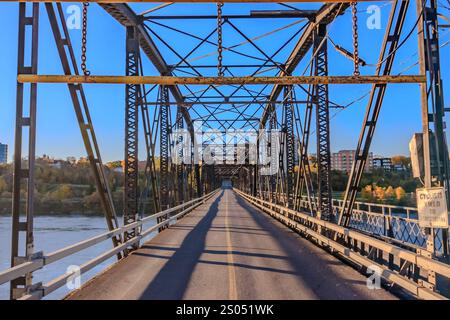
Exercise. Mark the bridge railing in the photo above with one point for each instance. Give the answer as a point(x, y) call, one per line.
point(398, 223)
point(40, 260)
point(403, 267)
point(395, 222)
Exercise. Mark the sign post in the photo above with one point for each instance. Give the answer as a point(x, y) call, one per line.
point(433, 213)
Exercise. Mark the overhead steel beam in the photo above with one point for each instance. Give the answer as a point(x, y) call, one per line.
point(206, 103)
point(255, 14)
point(190, 1)
point(171, 81)
point(127, 17)
point(325, 15)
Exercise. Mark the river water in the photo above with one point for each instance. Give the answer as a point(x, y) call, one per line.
point(53, 233)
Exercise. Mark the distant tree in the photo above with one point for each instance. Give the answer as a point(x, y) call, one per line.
point(367, 192)
point(3, 185)
point(338, 180)
point(312, 160)
point(399, 193)
point(401, 160)
point(389, 193)
point(63, 192)
point(114, 164)
point(379, 193)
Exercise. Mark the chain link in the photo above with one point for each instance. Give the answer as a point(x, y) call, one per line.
point(355, 39)
point(219, 39)
point(86, 72)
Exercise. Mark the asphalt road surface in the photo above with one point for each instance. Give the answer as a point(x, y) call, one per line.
point(228, 249)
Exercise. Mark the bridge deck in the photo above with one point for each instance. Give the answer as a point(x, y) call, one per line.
point(227, 249)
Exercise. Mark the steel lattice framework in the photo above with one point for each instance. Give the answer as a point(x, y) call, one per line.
point(322, 125)
point(132, 97)
point(188, 91)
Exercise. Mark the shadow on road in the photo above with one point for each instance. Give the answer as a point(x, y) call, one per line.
point(172, 280)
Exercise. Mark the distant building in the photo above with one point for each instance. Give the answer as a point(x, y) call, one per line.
point(3, 153)
point(51, 162)
point(83, 160)
point(71, 160)
point(343, 160)
point(142, 165)
point(382, 163)
point(399, 167)
point(58, 164)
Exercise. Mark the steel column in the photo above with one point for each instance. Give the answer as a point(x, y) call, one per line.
point(324, 209)
point(24, 169)
point(436, 168)
point(132, 97)
point(164, 147)
point(290, 142)
point(181, 174)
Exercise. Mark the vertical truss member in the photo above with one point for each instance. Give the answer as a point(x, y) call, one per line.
point(304, 169)
point(164, 138)
point(132, 96)
point(255, 174)
point(24, 119)
point(290, 142)
point(68, 62)
point(384, 66)
point(150, 165)
point(197, 169)
point(324, 209)
point(433, 111)
point(181, 174)
point(272, 148)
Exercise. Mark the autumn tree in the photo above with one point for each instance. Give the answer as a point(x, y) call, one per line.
point(401, 160)
point(399, 193)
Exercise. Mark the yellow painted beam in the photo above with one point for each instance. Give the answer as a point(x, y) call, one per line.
point(172, 80)
point(188, 1)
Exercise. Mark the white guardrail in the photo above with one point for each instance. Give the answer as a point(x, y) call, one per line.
point(398, 223)
point(394, 262)
point(41, 260)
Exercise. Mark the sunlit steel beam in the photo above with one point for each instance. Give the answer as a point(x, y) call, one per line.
point(169, 80)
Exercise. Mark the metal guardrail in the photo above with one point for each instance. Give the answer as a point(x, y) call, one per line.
point(395, 222)
point(40, 260)
point(398, 266)
point(398, 223)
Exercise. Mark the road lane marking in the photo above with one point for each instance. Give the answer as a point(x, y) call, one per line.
point(232, 292)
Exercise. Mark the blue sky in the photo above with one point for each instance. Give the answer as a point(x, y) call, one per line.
point(58, 133)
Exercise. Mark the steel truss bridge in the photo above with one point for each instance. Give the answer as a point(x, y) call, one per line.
point(197, 214)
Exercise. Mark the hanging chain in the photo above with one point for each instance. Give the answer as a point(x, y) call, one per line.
point(219, 39)
point(355, 39)
point(86, 72)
